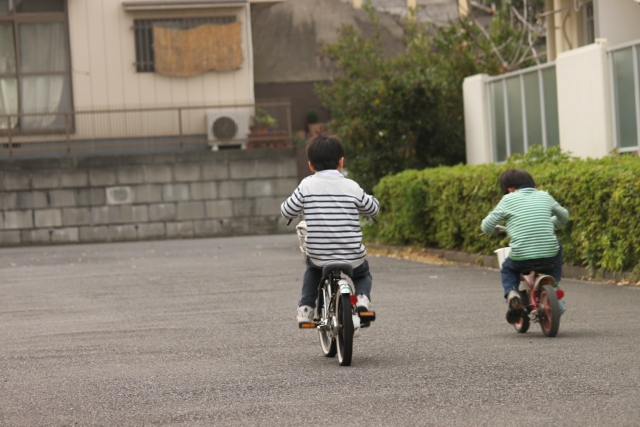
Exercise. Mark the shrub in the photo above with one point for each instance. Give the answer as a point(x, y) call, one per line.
point(444, 207)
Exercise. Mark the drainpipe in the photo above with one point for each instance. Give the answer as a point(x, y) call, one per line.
point(551, 31)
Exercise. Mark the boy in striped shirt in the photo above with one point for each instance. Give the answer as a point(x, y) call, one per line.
point(531, 216)
point(331, 205)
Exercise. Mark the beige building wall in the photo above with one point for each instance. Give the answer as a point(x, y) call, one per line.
point(103, 55)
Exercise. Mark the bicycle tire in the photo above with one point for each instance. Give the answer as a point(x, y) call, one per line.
point(522, 325)
point(550, 311)
point(344, 340)
point(327, 342)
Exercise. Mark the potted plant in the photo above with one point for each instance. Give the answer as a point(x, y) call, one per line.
point(313, 123)
point(262, 121)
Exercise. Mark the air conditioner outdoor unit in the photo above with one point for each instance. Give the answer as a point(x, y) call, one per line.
point(227, 128)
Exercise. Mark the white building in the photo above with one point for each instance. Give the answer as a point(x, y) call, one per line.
point(586, 99)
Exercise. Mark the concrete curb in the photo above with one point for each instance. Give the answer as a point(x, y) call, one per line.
point(482, 260)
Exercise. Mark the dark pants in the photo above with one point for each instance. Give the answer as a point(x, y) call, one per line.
point(511, 270)
point(361, 280)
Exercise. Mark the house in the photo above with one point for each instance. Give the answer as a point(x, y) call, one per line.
point(97, 74)
point(586, 98)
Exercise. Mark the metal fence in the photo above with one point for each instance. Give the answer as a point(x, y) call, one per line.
point(624, 63)
point(523, 110)
point(142, 130)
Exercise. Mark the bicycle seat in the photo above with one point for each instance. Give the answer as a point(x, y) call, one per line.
point(344, 267)
point(548, 268)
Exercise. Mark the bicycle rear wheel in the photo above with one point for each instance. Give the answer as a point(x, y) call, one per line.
point(327, 342)
point(344, 339)
point(549, 311)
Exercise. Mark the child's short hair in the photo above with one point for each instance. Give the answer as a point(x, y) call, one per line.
point(515, 178)
point(325, 151)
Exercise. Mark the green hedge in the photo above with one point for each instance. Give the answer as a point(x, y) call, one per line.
point(443, 207)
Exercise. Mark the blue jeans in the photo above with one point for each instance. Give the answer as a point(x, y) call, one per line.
point(511, 269)
point(362, 281)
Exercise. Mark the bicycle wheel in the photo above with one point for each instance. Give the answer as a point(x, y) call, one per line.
point(549, 311)
point(344, 340)
point(522, 325)
point(327, 342)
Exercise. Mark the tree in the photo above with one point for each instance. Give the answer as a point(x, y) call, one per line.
point(406, 112)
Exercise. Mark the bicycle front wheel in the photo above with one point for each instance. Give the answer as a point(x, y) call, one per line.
point(327, 342)
point(344, 339)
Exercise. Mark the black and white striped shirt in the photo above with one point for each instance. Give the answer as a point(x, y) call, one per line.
point(331, 204)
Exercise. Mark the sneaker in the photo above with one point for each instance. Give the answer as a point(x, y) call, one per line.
point(514, 307)
point(561, 306)
point(305, 314)
point(363, 303)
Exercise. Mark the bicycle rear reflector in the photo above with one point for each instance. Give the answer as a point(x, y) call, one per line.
point(559, 293)
point(354, 299)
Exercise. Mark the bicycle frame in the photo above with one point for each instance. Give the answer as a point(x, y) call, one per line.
point(330, 288)
point(531, 284)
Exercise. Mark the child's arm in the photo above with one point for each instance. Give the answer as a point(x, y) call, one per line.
point(490, 222)
point(560, 214)
point(367, 205)
point(293, 206)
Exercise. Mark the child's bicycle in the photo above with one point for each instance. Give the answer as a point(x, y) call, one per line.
point(336, 318)
point(539, 296)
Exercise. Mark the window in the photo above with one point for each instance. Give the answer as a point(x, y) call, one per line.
point(589, 24)
point(34, 65)
point(144, 35)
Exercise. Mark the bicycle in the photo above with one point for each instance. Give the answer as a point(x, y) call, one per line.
point(539, 296)
point(336, 317)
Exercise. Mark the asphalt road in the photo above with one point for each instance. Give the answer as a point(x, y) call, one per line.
point(202, 332)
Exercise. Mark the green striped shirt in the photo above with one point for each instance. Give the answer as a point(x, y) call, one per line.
point(531, 216)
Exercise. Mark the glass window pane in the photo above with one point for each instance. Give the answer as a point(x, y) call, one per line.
point(497, 114)
point(7, 49)
point(8, 102)
point(4, 7)
point(516, 127)
point(624, 88)
point(43, 47)
point(45, 94)
point(551, 106)
point(34, 6)
point(534, 114)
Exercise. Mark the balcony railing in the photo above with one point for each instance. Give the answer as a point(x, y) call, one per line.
point(140, 130)
point(523, 110)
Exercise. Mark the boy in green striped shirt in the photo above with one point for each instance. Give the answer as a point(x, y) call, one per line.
point(531, 216)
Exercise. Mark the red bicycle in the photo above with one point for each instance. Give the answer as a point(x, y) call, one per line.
point(540, 297)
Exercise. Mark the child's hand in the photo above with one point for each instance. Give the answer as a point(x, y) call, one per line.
point(499, 229)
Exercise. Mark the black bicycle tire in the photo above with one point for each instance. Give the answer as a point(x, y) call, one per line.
point(344, 340)
point(550, 320)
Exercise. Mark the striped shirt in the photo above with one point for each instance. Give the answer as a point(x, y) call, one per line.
point(531, 216)
point(331, 204)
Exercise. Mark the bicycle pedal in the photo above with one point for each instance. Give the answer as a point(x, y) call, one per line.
point(367, 316)
point(307, 325)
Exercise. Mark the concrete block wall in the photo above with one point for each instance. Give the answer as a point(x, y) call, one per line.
point(102, 199)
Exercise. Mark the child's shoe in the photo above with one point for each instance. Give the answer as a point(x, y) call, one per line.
point(305, 314)
point(514, 306)
point(363, 303)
